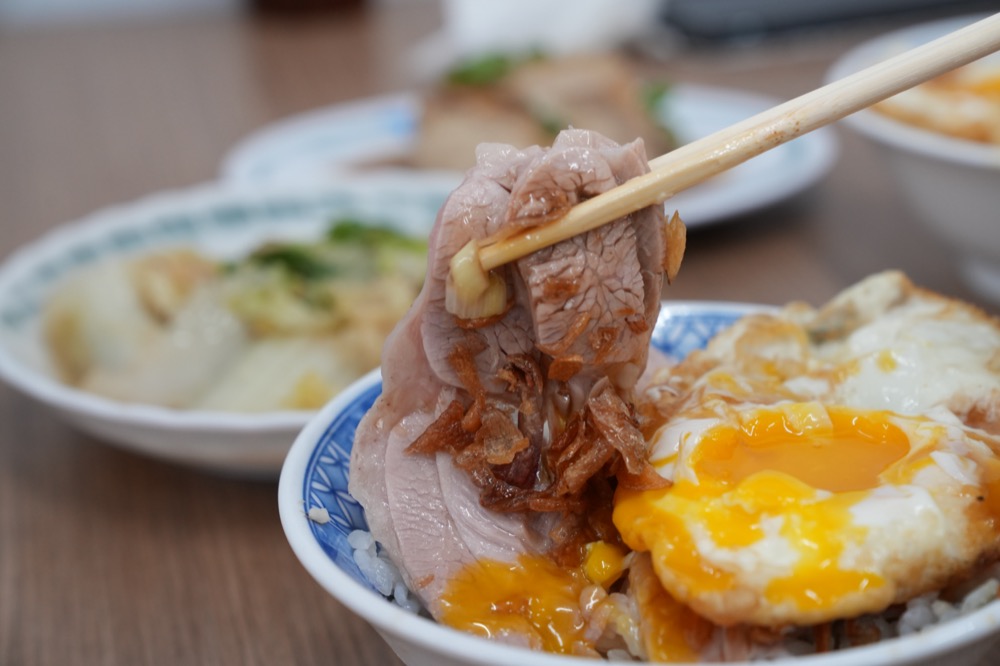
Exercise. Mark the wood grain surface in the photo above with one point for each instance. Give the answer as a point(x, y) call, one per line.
point(110, 558)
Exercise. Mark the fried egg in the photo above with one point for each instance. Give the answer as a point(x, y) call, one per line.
point(964, 103)
point(825, 464)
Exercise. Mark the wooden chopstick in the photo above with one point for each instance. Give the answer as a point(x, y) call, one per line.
point(692, 163)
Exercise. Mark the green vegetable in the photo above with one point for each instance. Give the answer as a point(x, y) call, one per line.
point(349, 230)
point(550, 123)
point(488, 69)
point(349, 249)
point(300, 260)
point(286, 287)
point(482, 71)
point(653, 95)
point(357, 268)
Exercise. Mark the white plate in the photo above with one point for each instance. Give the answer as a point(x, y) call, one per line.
point(322, 144)
point(223, 222)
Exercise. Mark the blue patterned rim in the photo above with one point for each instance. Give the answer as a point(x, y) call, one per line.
point(679, 329)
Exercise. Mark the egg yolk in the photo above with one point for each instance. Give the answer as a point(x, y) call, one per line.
point(672, 632)
point(532, 597)
point(791, 472)
point(603, 563)
point(552, 605)
point(669, 624)
point(835, 449)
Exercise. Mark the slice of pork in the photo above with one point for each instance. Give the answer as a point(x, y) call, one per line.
point(487, 432)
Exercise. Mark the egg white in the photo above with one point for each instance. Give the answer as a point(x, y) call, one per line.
point(889, 351)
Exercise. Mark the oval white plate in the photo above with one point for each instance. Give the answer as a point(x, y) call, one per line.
point(322, 144)
point(223, 222)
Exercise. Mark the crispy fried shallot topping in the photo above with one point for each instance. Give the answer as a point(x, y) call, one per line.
point(600, 447)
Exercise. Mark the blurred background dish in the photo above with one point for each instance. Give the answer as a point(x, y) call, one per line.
point(203, 375)
point(324, 144)
point(318, 514)
point(941, 143)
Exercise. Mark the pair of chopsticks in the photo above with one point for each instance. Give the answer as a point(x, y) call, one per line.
point(695, 162)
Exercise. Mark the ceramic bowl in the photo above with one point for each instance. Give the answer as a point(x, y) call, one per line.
point(223, 221)
point(315, 478)
point(949, 184)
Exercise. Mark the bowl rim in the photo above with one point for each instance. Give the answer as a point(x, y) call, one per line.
point(59, 240)
point(391, 620)
point(905, 136)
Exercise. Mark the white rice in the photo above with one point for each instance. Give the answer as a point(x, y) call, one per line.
point(380, 571)
point(928, 609)
point(319, 514)
point(918, 614)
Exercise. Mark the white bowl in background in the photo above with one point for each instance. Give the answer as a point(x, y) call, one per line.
point(315, 477)
point(951, 185)
point(222, 221)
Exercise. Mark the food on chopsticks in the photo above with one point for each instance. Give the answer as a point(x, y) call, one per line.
point(963, 103)
point(498, 438)
point(285, 327)
point(526, 101)
point(813, 480)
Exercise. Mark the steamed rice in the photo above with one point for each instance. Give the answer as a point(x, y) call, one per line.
point(379, 570)
point(917, 615)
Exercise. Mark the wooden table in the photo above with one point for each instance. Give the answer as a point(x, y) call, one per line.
point(110, 558)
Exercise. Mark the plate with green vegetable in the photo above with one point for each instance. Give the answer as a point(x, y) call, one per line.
point(206, 326)
point(432, 133)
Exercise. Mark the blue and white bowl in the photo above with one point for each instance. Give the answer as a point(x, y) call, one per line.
point(222, 221)
point(315, 477)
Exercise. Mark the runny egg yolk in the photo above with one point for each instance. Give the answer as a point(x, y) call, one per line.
point(791, 474)
point(532, 597)
point(848, 452)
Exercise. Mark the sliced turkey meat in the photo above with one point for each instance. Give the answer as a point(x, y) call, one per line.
point(506, 435)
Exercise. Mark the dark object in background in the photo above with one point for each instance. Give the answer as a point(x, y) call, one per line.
point(735, 19)
point(293, 7)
